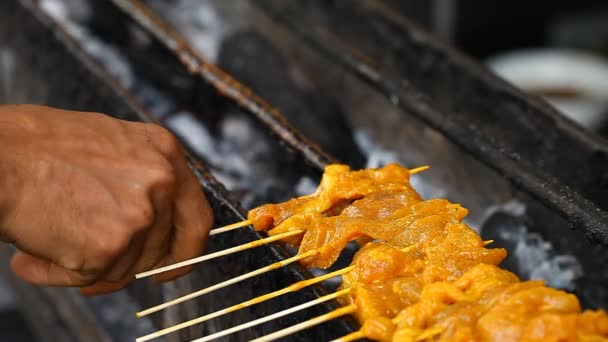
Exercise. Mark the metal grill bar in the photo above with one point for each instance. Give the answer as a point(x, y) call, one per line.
point(494, 150)
point(225, 84)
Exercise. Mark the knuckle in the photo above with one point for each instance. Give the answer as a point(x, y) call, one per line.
point(139, 216)
point(84, 279)
point(164, 139)
point(74, 262)
point(162, 174)
point(109, 247)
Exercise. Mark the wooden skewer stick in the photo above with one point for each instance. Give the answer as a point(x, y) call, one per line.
point(242, 247)
point(428, 333)
point(308, 324)
point(229, 227)
point(236, 280)
point(292, 288)
point(272, 317)
point(487, 242)
point(419, 169)
point(350, 337)
point(215, 287)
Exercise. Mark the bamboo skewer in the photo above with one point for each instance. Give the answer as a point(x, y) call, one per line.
point(259, 271)
point(224, 252)
point(246, 223)
point(419, 169)
point(307, 324)
point(229, 227)
point(272, 317)
point(292, 288)
point(218, 286)
point(350, 337)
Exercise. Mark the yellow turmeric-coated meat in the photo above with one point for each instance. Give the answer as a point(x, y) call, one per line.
point(338, 185)
point(431, 277)
point(397, 301)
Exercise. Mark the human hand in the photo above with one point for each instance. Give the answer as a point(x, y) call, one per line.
point(90, 201)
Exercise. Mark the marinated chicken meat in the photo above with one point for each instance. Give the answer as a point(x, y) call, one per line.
point(398, 299)
point(423, 274)
point(338, 185)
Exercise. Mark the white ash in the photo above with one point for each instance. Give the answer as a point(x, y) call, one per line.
point(535, 257)
point(7, 72)
point(190, 129)
point(198, 21)
point(205, 23)
point(378, 156)
point(238, 153)
point(512, 207)
point(72, 15)
point(155, 102)
point(306, 186)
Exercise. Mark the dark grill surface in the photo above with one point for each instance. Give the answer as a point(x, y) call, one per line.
point(334, 70)
point(526, 140)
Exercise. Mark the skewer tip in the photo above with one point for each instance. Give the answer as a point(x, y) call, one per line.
point(419, 169)
point(229, 227)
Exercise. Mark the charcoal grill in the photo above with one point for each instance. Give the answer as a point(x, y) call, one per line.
point(488, 142)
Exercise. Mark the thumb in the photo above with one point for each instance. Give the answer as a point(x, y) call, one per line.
point(38, 271)
point(103, 287)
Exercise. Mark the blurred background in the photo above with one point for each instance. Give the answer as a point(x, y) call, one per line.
point(556, 49)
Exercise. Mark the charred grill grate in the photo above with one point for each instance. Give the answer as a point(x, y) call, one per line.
point(514, 135)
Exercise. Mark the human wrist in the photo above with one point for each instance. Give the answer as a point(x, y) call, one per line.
point(8, 190)
point(12, 136)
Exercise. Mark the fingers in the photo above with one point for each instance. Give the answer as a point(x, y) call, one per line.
point(39, 271)
point(104, 287)
point(124, 263)
point(192, 217)
point(192, 221)
point(145, 252)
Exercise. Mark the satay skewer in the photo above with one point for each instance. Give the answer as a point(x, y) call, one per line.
point(218, 286)
point(238, 248)
point(229, 227)
point(323, 318)
point(419, 169)
point(235, 280)
point(291, 288)
point(224, 252)
point(307, 324)
point(357, 335)
point(272, 316)
point(246, 223)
